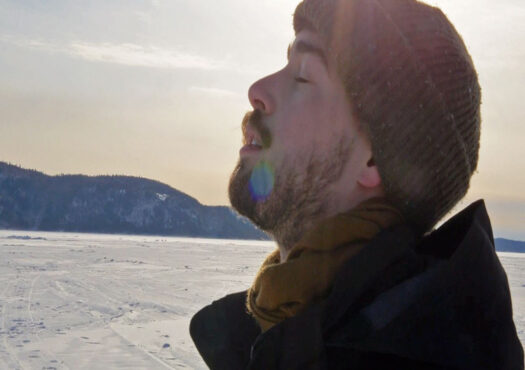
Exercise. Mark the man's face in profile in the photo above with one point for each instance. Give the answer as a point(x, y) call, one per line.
point(298, 142)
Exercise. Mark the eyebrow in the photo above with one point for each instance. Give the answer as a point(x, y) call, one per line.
point(305, 47)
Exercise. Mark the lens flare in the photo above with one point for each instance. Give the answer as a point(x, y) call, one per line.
point(261, 181)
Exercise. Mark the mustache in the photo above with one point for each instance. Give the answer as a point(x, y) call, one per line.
point(254, 120)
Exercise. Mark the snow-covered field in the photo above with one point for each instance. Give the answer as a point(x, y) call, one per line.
point(88, 301)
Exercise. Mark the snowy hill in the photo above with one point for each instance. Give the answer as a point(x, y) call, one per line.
point(31, 200)
point(506, 245)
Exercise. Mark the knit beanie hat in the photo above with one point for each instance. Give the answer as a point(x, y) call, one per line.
point(414, 90)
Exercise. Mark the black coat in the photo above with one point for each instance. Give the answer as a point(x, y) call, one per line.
point(440, 303)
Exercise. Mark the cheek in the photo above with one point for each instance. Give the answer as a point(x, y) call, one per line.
point(329, 121)
point(312, 119)
point(299, 124)
point(339, 116)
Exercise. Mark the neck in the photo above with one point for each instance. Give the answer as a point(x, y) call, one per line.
point(289, 233)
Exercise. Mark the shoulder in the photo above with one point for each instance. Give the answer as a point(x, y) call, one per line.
point(223, 332)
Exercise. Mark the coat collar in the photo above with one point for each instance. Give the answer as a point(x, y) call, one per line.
point(454, 310)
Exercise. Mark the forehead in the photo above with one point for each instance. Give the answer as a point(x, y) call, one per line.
point(309, 36)
point(308, 42)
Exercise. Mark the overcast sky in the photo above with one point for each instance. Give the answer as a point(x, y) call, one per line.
point(157, 88)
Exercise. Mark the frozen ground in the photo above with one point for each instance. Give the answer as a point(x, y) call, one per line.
point(87, 301)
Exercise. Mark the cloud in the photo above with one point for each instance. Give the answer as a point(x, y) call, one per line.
point(127, 54)
point(136, 55)
point(213, 91)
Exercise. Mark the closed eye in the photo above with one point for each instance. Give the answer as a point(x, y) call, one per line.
point(301, 80)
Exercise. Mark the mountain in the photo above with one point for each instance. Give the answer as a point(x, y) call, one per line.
point(506, 245)
point(31, 200)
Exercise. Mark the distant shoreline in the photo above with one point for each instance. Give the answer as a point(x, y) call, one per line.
point(502, 245)
point(18, 235)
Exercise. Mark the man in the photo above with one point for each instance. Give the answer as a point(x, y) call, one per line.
point(353, 152)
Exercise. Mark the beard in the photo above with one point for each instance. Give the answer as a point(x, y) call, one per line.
point(300, 191)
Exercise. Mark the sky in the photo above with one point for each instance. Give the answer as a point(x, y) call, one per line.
point(158, 88)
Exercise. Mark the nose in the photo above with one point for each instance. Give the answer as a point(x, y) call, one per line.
point(260, 95)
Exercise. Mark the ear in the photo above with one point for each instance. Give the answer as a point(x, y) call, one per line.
point(369, 175)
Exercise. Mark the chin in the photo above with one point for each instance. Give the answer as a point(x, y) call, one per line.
point(239, 191)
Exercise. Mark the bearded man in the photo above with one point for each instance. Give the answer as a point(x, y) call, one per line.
point(353, 152)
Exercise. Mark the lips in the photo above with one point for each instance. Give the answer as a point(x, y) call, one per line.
point(251, 145)
point(252, 139)
point(256, 135)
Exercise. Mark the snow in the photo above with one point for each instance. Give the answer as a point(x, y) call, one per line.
point(514, 265)
point(84, 301)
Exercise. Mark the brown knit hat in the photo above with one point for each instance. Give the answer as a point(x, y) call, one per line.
point(414, 89)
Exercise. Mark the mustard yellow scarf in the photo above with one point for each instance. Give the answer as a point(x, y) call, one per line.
point(281, 290)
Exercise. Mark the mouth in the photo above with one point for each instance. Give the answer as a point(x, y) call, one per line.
point(256, 136)
point(252, 144)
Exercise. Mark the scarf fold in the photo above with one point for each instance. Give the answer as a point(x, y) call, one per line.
point(281, 290)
